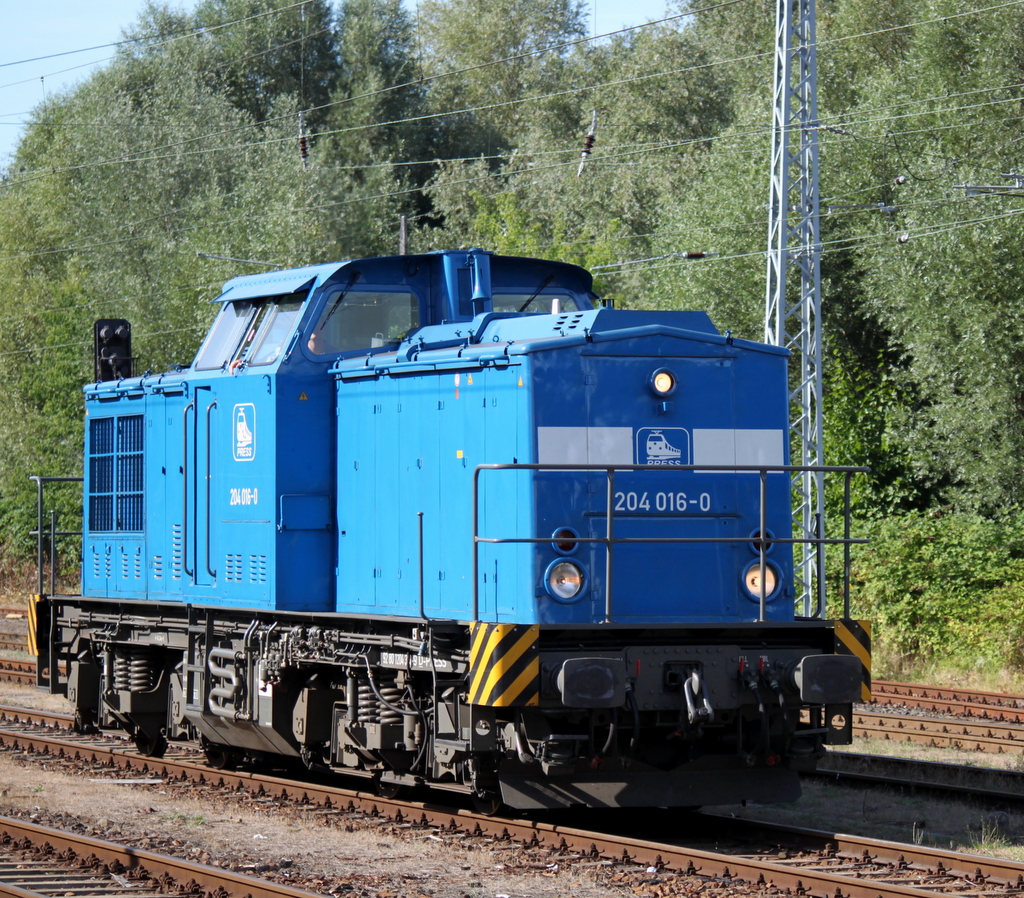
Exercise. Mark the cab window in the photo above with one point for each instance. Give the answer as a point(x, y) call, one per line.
point(366, 319)
point(227, 330)
point(255, 332)
point(552, 303)
point(272, 337)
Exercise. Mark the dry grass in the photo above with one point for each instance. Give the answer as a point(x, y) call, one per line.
point(894, 749)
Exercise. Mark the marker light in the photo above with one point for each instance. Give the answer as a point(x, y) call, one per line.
point(752, 580)
point(663, 382)
point(565, 581)
point(563, 540)
point(769, 542)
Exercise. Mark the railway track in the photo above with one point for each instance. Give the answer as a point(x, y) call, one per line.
point(995, 706)
point(772, 860)
point(42, 861)
point(13, 642)
point(14, 670)
point(988, 737)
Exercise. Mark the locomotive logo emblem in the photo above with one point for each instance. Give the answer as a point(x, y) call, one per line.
point(662, 446)
point(244, 423)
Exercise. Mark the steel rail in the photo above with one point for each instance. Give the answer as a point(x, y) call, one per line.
point(974, 696)
point(997, 706)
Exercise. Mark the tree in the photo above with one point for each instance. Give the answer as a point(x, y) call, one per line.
point(486, 59)
point(107, 222)
point(266, 50)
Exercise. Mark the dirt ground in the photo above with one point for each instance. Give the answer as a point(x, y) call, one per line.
point(238, 833)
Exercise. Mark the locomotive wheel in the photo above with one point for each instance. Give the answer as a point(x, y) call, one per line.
point(150, 746)
point(389, 790)
point(221, 758)
point(488, 805)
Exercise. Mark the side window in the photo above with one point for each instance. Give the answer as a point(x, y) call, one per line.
point(535, 304)
point(364, 320)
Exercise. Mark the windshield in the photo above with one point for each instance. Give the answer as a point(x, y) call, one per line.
point(370, 319)
point(251, 331)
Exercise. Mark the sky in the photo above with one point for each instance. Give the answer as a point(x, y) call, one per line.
point(48, 46)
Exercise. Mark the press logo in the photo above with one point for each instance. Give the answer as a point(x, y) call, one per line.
point(662, 446)
point(245, 431)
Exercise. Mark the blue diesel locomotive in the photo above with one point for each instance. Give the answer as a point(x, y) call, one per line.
point(440, 519)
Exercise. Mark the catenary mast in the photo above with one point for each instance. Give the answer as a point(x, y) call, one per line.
point(793, 320)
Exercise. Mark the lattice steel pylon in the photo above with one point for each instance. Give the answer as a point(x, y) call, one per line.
point(794, 242)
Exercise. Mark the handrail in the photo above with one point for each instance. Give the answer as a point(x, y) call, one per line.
point(40, 534)
point(610, 540)
point(184, 491)
point(209, 439)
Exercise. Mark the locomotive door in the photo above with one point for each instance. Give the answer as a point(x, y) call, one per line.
point(200, 426)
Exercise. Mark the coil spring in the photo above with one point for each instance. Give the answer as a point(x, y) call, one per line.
point(393, 695)
point(135, 669)
point(369, 710)
point(372, 710)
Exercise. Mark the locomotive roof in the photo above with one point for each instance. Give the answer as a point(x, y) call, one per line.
point(506, 270)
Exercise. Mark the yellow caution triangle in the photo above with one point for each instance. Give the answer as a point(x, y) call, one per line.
point(303, 397)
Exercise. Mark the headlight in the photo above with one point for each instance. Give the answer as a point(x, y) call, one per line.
point(752, 580)
point(565, 580)
point(663, 382)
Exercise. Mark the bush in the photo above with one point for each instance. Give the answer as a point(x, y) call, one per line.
point(945, 588)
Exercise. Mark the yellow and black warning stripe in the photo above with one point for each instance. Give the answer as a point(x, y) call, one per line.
point(853, 637)
point(33, 619)
point(504, 665)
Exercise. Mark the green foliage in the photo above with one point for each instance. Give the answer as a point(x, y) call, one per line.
point(470, 119)
point(942, 586)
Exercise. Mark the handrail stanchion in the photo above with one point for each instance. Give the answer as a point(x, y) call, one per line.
point(846, 546)
point(609, 514)
point(39, 535)
point(761, 548)
point(610, 540)
point(419, 519)
point(53, 552)
point(476, 544)
point(819, 559)
point(40, 532)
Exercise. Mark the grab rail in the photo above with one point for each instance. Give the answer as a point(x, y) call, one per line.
point(209, 438)
point(40, 534)
point(609, 540)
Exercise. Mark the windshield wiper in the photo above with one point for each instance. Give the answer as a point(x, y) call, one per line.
point(537, 292)
point(338, 299)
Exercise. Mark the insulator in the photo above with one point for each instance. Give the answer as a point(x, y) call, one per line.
point(303, 148)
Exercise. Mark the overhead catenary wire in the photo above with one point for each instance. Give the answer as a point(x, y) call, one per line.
point(617, 82)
